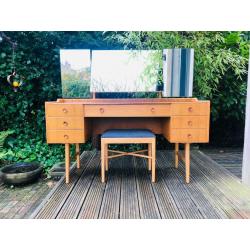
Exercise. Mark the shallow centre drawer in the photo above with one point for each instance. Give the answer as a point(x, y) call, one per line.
point(64, 123)
point(127, 110)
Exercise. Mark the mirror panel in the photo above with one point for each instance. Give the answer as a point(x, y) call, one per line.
point(125, 70)
point(75, 73)
point(178, 68)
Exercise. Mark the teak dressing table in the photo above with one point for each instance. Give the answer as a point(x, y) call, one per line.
point(179, 120)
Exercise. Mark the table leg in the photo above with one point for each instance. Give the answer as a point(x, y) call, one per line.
point(67, 162)
point(153, 160)
point(187, 161)
point(78, 155)
point(106, 157)
point(176, 153)
point(149, 154)
point(102, 161)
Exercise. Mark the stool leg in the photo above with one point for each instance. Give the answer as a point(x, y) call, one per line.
point(187, 161)
point(149, 154)
point(78, 155)
point(153, 160)
point(67, 162)
point(106, 157)
point(102, 161)
point(176, 153)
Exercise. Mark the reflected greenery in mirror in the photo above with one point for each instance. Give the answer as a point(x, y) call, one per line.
point(75, 73)
point(125, 70)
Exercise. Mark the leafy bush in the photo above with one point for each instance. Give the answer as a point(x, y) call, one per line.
point(220, 73)
point(37, 60)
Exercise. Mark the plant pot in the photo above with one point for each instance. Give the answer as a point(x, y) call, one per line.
point(21, 173)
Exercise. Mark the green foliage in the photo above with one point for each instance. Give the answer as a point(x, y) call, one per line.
point(3, 136)
point(37, 60)
point(220, 70)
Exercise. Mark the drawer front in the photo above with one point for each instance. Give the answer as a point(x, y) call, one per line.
point(64, 123)
point(189, 122)
point(65, 136)
point(202, 108)
point(54, 109)
point(189, 135)
point(127, 110)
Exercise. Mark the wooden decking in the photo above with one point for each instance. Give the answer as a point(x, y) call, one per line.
point(213, 191)
point(229, 158)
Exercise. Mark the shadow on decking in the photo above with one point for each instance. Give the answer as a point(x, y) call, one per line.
point(128, 193)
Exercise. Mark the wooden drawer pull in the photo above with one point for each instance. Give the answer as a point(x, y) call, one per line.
point(65, 110)
point(190, 109)
point(189, 135)
point(66, 137)
point(152, 110)
point(65, 124)
point(190, 123)
point(101, 110)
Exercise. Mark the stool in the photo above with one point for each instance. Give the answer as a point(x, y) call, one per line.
point(128, 136)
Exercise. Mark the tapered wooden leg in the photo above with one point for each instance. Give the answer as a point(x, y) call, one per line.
point(77, 155)
point(67, 162)
point(187, 161)
point(149, 154)
point(153, 160)
point(106, 157)
point(176, 153)
point(102, 161)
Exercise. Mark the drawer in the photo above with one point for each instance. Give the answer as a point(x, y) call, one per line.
point(199, 108)
point(189, 122)
point(65, 136)
point(55, 109)
point(189, 135)
point(127, 110)
point(64, 123)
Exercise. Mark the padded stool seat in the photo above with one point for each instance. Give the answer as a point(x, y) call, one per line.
point(128, 136)
point(128, 133)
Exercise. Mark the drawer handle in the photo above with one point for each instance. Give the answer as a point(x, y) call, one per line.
point(152, 110)
point(190, 109)
point(65, 111)
point(66, 137)
point(65, 124)
point(189, 135)
point(190, 123)
point(101, 110)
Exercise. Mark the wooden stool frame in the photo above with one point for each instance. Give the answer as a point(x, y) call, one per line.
point(151, 152)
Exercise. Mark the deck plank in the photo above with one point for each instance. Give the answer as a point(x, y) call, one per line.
point(206, 208)
point(213, 192)
point(146, 198)
point(129, 206)
point(166, 204)
point(178, 189)
point(92, 204)
point(110, 207)
point(73, 204)
point(57, 197)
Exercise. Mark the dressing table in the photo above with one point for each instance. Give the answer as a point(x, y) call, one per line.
point(179, 120)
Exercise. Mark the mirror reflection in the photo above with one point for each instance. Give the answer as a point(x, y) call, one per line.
point(125, 70)
point(75, 73)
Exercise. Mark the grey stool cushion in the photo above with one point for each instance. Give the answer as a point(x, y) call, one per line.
point(128, 133)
